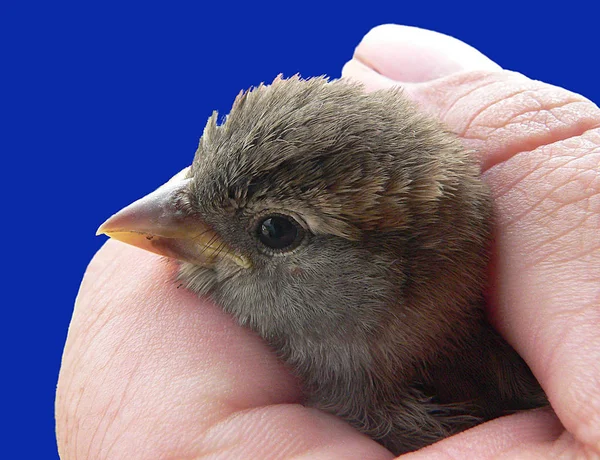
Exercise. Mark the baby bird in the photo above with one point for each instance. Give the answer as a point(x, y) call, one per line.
point(351, 232)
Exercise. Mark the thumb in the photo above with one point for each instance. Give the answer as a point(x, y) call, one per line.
point(539, 148)
point(412, 55)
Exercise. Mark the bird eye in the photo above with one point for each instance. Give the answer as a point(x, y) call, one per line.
point(279, 232)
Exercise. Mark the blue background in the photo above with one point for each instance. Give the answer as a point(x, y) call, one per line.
point(101, 102)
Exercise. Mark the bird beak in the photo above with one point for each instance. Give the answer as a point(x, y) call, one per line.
point(157, 224)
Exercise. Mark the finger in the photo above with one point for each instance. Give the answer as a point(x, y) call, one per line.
point(504, 437)
point(151, 371)
point(533, 434)
point(410, 54)
point(394, 55)
point(546, 292)
point(539, 148)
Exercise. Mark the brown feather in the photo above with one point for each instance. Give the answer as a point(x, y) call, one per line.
point(380, 311)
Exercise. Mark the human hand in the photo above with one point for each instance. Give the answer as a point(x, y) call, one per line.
point(150, 371)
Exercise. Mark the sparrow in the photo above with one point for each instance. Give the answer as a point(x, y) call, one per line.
point(352, 233)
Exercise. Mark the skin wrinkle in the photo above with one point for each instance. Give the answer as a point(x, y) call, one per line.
point(200, 430)
point(532, 119)
point(562, 115)
point(472, 123)
point(570, 257)
point(549, 353)
point(542, 99)
point(543, 212)
point(85, 335)
point(92, 328)
point(554, 240)
point(565, 336)
point(572, 163)
point(116, 439)
point(548, 141)
point(133, 421)
point(550, 204)
point(85, 384)
point(527, 103)
point(465, 85)
point(95, 276)
point(514, 177)
point(507, 438)
point(535, 169)
point(548, 366)
point(256, 421)
point(572, 319)
point(91, 331)
point(515, 220)
point(216, 424)
point(518, 126)
point(246, 422)
point(114, 407)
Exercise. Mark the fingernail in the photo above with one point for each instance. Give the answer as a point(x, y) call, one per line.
point(412, 55)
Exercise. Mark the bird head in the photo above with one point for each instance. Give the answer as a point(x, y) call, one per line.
point(317, 214)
